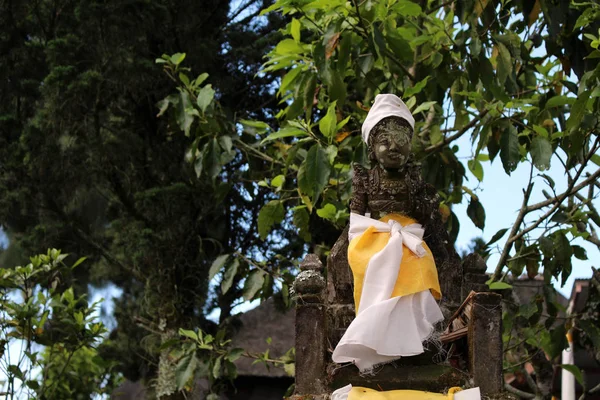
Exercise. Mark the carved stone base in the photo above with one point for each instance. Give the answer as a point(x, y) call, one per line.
point(431, 378)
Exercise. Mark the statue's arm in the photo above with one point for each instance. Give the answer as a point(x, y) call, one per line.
point(358, 202)
point(425, 198)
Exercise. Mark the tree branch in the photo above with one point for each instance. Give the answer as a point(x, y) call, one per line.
point(458, 134)
point(557, 201)
point(515, 228)
point(574, 189)
point(520, 393)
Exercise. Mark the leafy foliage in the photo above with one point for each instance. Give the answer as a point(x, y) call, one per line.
point(86, 164)
point(57, 334)
point(517, 76)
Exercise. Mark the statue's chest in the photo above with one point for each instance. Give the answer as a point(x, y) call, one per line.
point(381, 187)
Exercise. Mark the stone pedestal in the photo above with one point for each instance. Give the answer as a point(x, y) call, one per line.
point(485, 343)
point(311, 328)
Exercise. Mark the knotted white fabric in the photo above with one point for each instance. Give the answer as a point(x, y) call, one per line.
point(387, 328)
point(385, 105)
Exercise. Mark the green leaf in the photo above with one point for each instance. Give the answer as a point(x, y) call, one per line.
point(407, 8)
point(400, 47)
point(188, 333)
point(295, 30)
point(579, 252)
point(476, 212)
point(217, 368)
point(82, 259)
point(554, 342)
point(559, 101)
point(476, 168)
point(288, 79)
point(184, 79)
point(591, 329)
point(499, 286)
point(185, 370)
point(288, 46)
point(256, 127)
point(201, 78)
point(301, 220)
point(337, 89)
point(253, 284)
point(205, 97)
point(475, 46)
point(290, 369)
point(328, 124)
point(578, 110)
point(540, 130)
point(235, 353)
point(509, 149)
point(308, 96)
point(271, 214)
point(16, 371)
point(424, 107)
point(313, 174)
point(411, 91)
point(177, 58)
point(574, 369)
point(183, 118)
point(504, 63)
point(229, 275)
point(327, 212)
point(541, 153)
point(497, 236)
point(278, 181)
point(217, 265)
point(285, 132)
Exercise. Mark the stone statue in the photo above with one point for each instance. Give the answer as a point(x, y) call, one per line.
point(395, 185)
point(391, 187)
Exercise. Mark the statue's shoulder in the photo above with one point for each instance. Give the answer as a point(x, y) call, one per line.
point(360, 178)
point(360, 171)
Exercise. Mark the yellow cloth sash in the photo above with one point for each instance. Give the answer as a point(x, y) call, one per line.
point(360, 393)
point(416, 273)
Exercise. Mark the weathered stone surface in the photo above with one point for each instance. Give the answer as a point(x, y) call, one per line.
point(474, 278)
point(432, 378)
point(309, 282)
point(339, 317)
point(310, 349)
point(311, 262)
point(339, 276)
point(485, 343)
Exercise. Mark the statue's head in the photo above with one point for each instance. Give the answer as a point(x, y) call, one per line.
point(389, 142)
point(388, 131)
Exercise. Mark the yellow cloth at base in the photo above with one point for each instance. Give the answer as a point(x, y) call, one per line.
point(416, 273)
point(360, 393)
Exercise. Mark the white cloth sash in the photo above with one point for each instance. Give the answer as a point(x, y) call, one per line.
point(387, 328)
point(382, 270)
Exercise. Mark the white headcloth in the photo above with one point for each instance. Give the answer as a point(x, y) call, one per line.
point(385, 105)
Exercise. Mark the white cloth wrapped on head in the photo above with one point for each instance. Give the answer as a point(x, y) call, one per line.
point(385, 105)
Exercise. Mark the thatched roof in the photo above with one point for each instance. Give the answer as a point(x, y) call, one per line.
point(257, 325)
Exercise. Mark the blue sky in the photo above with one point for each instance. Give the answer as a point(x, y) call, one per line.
point(502, 195)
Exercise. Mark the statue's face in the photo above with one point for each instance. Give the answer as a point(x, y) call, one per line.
point(392, 148)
